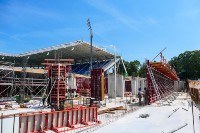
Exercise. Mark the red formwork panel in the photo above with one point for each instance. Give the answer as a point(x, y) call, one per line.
point(97, 84)
point(39, 122)
point(58, 75)
point(128, 86)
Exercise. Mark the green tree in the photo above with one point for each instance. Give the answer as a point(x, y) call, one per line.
point(133, 68)
point(142, 70)
point(187, 64)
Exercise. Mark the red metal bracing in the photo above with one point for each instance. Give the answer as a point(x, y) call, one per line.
point(39, 122)
point(97, 84)
point(160, 81)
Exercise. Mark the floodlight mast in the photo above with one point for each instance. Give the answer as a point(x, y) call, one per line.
point(91, 36)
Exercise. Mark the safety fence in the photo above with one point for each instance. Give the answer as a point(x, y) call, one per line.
point(57, 121)
point(83, 120)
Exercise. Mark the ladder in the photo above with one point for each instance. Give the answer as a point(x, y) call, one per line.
point(155, 85)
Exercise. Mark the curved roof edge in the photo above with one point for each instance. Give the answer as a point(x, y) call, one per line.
point(51, 48)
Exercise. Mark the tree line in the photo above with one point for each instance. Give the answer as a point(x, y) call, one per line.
point(187, 64)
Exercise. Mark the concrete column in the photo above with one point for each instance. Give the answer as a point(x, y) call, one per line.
point(133, 86)
point(120, 85)
point(111, 87)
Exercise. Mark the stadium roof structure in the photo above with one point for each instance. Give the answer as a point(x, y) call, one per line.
point(78, 50)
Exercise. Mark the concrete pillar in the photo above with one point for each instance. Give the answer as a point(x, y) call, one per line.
point(142, 84)
point(176, 85)
point(111, 87)
point(71, 81)
point(133, 86)
point(120, 85)
point(137, 83)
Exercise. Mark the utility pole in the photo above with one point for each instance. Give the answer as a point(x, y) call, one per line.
point(115, 72)
point(115, 75)
point(91, 36)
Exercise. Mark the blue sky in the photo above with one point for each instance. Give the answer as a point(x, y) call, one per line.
point(138, 28)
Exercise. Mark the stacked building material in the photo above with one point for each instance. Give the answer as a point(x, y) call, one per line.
point(194, 91)
point(97, 84)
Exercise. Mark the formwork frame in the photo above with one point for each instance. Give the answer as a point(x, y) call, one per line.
point(162, 82)
point(58, 70)
point(97, 84)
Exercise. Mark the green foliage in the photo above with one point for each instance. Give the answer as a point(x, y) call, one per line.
point(134, 68)
point(121, 68)
point(187, 64)
point(142, 70)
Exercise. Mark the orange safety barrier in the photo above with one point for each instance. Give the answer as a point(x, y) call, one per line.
point(67, 119)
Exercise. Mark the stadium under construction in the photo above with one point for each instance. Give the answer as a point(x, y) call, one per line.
point(59, 89)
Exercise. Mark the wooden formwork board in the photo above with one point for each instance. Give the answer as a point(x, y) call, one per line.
point(165, 69)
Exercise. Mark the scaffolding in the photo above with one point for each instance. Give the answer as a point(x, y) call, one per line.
point(11, 85)
point(6, 84)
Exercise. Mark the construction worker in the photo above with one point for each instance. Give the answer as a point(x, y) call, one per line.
point(44, 98)
point(140, 96)
point(145, 96)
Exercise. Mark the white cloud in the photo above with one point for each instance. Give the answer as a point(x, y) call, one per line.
point(127, 20)
point(115, 13)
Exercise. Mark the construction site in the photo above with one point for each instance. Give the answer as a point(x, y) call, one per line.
point(99, 66)
point(61, 89)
